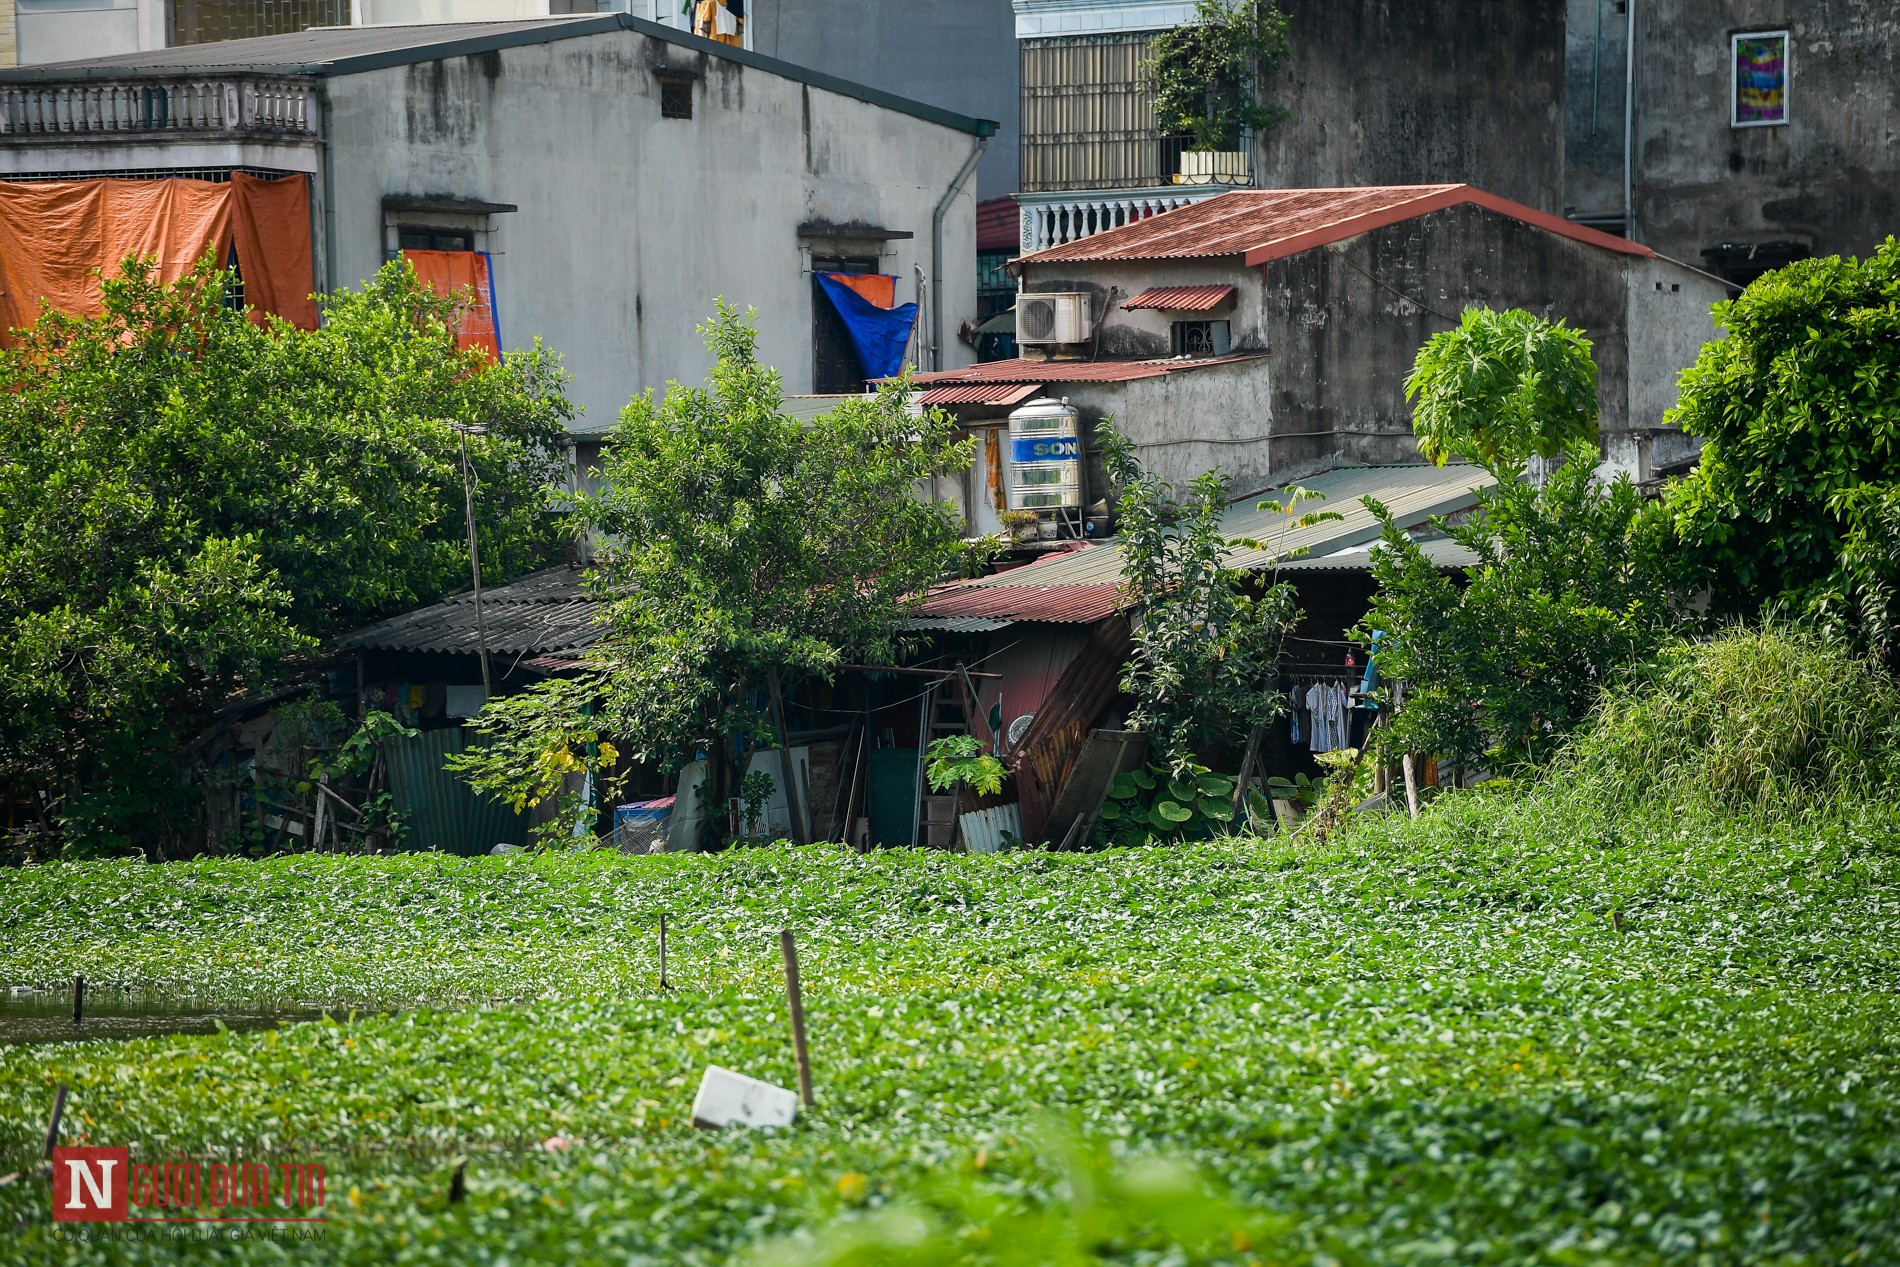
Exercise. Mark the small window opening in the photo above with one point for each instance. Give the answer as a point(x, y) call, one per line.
point(1200, 338)
point(676, 97)
point(411, 237)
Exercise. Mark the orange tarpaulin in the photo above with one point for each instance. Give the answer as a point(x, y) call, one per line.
point(57, 237)
point(449, 273)
point(271, 222)
point(878, 289)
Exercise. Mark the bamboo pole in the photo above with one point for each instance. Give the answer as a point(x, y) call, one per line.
point(797, 1006)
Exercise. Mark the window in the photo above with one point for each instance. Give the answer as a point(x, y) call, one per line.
point(676, 96)
point(1759, 64)
point(411, 237)
point(834, 362)
point(1200, 338)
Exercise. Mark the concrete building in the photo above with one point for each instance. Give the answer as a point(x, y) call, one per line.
point(618, 174)
point(1378, 93)
point(1269, 332)
point(958, 54)
point(1808, 164)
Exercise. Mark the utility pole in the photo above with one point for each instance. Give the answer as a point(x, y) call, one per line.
point(475, 563)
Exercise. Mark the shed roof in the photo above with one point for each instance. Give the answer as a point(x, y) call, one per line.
point(1025, 371)
point(979, 393)
point(543, 612)
point(1268, 224)
point(1412, 493)
point(351, 50)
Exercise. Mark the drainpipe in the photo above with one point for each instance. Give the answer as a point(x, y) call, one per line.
point(936, 249)
point(326, 198)
point(1629, 127)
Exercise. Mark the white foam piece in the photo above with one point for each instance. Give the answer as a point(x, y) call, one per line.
point(731, 1099)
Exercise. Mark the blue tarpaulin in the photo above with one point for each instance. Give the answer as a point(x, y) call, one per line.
point(880, 335)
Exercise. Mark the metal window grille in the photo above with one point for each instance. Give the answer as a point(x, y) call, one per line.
point(1089, 116)
point(676, 97)
point(210, 21)
point(218, 174)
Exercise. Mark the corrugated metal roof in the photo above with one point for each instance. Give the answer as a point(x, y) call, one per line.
point(348, 50)
point(1268, 224)
point(979, 394)
point(997, 228)
point(1412, 493)
point(1443, 552)
point(1025, 600)
point(805, 408)
point(955, 624)
point(1043, 372)
point(1182, 298)
point(542, 612)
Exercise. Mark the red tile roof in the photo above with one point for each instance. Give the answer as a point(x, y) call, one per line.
point(1182, 298)
point(1270, 224)
point(1057, 604)
point(979, 393)
point(1042, 372)
point(997, 228)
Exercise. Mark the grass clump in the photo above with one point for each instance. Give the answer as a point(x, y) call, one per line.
point(1775, 723)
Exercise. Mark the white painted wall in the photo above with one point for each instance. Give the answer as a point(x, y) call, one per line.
point(57, 33)
point(630, 224)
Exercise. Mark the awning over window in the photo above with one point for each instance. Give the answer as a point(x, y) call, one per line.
point(1183, 298)
point(57, 237)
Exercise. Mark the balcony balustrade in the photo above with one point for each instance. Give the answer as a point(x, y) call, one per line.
point(228, 104)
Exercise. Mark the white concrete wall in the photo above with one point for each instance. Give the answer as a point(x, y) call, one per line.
point(48, 34)
point(1669, 321)
point(1146, 332)
point(630, 224)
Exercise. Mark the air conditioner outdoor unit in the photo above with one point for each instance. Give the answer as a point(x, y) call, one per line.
point(1052, 318)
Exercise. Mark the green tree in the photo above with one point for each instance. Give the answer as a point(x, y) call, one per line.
point(1568, 590)
point(189, 499)
point(1208, 75)
point(743, 550)
point(1796, 501)
point(1207, 636)
point(1501, 387)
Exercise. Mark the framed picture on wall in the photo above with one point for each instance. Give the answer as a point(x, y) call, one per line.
point(1759, 83)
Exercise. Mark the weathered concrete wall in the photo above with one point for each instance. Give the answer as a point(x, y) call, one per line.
point(1829, 178)
point(1595, 78)
point(1145, 333)
point(1386, 93)
point(630, 224)
point(958, 54)
point(1346, 331)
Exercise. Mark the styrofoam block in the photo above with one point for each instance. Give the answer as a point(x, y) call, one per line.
point(731, 1099)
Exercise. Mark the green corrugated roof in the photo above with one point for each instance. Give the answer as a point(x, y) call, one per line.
point(1412, 493)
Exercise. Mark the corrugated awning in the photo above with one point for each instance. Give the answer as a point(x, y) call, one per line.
point(979, 394)
point(1053, 604)
point(1182, 298)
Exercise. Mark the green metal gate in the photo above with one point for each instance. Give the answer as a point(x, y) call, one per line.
point(443, 812)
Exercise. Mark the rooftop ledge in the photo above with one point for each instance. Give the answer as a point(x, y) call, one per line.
point(225, 104)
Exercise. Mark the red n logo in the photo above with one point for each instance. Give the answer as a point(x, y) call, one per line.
point(89, 1184)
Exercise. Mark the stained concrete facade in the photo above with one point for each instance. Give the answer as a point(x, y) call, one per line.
point(611, 228)
point(1341, 325)
point(959, 54)
point(1420, 93)
point(1828, 179)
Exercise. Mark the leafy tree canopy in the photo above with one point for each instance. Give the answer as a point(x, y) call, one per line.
point(1567, 591)
point(1502, 387)
point(1208, 75)
point(1208, 636)
point(742, 549)
point(188, 498)
point(1796, 501)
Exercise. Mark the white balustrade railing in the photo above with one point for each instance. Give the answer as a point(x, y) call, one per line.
point(1065, 219)
point(248, 103)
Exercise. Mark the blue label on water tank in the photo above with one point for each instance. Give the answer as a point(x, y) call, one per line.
point(1045, 449)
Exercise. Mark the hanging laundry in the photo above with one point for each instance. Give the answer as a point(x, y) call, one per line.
point(880, 335)
point(1293, 715)
point(714, 20)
